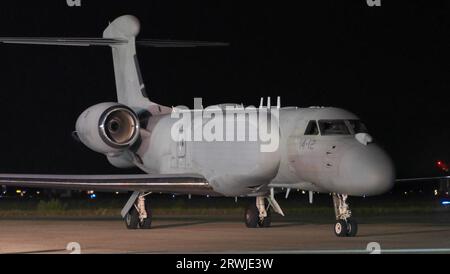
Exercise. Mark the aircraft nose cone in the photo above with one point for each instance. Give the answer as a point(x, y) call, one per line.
point(366, 170)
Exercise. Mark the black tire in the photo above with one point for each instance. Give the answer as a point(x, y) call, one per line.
point(352, 227)
point(267, 221)
point(147, 222)
point(340, 228)
point(251, 216)
point(132, 219)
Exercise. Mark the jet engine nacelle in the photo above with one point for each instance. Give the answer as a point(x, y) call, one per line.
point(108, 128)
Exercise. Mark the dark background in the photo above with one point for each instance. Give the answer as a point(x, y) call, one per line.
point(389, 65)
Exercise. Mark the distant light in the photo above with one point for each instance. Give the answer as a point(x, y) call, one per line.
point(93, 196)
point(445, 203)
point(303, 192)
point(117, 193)
point(442, 166)
point(435, 192)
point(406, 193)
point(18, 191)
point(173, 196)
point(90, 192)
point(38, 192)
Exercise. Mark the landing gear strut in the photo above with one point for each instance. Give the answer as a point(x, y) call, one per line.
point(345, 225)
point(258, 214)
point(140, 214)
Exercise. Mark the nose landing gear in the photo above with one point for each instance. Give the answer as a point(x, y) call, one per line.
point(345, 226)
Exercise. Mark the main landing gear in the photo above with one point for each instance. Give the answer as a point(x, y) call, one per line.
point(345, 225)
point(258, 214)
point(139, 216)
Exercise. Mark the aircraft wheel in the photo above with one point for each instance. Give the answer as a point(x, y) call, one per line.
point(251, 216)
point(132, 219)
point(267, 221)
point(147, 222)
point(352, 227)
point(340, 228)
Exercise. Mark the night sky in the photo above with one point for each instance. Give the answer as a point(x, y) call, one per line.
point(390, 65)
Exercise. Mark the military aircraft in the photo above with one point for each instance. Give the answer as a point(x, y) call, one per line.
point(316, 149)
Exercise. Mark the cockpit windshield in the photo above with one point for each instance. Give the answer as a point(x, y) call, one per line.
point(333, 127)
point(357, 126)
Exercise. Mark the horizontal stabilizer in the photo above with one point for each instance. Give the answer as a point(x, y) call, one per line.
point(107, 42)
point(423, 179)
point(178, 44)
point(62, 41)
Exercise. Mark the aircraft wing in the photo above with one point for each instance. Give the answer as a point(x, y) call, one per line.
point(167, 183)
point(84, 41)
point(422, 179)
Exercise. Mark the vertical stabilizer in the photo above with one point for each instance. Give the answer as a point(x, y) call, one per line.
point(129, 83)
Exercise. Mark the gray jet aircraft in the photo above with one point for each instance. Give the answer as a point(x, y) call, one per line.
point(326, 150)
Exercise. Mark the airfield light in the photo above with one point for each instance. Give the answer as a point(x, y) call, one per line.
point(18, 191)
point(442, 165)
point(93, 196)
point(445, 203)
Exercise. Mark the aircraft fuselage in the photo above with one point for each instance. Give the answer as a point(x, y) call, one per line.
point(330, 163)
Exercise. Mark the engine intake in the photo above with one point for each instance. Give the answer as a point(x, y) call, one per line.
point(108, 128)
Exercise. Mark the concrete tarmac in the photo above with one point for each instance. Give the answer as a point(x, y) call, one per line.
point(206, 235)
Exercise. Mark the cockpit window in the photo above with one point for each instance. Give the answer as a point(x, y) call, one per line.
point(357, 126)
point(312, 128)
point(333, 127)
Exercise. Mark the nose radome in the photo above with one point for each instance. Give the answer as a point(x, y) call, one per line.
point(366, 170)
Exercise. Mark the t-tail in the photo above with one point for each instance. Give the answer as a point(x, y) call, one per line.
point(129, 83)
point(120, 35)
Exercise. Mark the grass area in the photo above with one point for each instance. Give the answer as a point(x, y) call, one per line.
point(202, 207)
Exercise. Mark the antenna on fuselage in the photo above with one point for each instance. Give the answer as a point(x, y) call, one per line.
point(268, 103)
point(261, 102)
point(278, 102)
